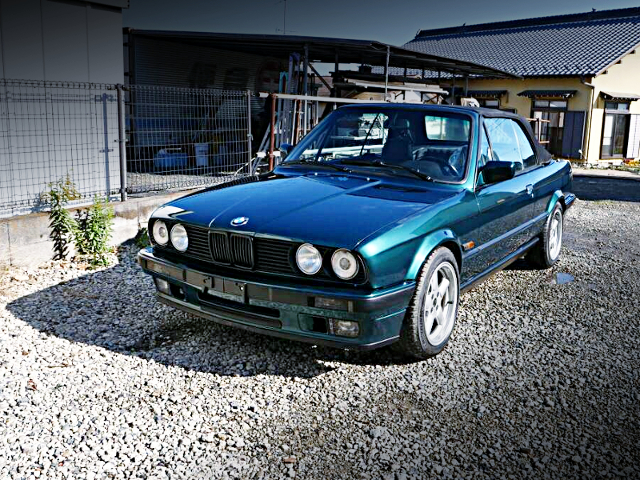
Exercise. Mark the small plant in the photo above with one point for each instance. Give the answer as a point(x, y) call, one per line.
point(142, 238)
point(93, 232)
point(60, 221)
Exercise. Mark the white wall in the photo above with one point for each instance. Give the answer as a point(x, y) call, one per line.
point(61, 40)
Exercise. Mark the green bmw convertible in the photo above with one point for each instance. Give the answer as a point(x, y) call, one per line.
point(369, 231)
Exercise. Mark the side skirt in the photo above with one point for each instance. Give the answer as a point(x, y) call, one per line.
point(505, 262)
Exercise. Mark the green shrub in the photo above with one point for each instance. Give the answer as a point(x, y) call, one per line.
point(93, 232)
point(142, 238)
point(60, 221)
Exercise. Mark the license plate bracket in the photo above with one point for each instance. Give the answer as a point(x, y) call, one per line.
point(233, 287)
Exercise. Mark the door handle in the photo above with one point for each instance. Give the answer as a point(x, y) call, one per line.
point(530, 189)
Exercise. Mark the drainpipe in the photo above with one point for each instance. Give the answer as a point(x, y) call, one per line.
point(585, 146)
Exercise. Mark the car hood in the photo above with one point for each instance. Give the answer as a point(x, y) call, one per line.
point(334, 210)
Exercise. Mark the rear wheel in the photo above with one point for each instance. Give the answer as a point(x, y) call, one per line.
point(547, 252)
point(432, 312)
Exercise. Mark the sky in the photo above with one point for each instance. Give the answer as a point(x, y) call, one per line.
point(395, 22)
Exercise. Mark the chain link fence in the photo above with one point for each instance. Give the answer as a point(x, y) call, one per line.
point(112, 140)
point(183, 138)
point(50, 130)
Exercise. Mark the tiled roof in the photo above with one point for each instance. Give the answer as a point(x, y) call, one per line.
point(565, 45)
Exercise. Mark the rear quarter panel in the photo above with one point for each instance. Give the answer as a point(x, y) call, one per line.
point(550, 182)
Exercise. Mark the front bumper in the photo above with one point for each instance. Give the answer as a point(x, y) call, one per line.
point(283, 311)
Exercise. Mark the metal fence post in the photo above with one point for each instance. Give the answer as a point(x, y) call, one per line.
point(122, 144)
point(249, 134)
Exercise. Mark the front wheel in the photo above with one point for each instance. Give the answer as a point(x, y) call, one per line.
point(546, 253)
point(432, 312)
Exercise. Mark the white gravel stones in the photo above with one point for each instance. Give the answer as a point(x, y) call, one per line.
point(97, 380)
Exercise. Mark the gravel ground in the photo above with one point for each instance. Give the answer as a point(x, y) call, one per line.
point(541, 379)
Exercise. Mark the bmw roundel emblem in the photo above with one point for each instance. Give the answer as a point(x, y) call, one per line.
point(239, 221)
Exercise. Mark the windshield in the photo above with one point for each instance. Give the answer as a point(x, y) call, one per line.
point(432, 145)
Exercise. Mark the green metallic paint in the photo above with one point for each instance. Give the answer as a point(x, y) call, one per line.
point(392, 221)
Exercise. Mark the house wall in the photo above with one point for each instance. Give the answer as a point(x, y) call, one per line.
point(581, 101)
point(623, 77)
point(523, 104)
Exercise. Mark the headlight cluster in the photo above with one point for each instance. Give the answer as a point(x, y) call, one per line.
point(344, 263)
point(178, 235)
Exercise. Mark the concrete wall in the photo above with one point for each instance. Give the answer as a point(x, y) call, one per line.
point(24, 240)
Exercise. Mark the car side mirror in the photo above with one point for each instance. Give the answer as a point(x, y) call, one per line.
point(498, 171)
point(285, 148)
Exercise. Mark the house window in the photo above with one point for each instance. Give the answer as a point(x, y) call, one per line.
point(489, 102)
point(549, 127)
point(615, 130)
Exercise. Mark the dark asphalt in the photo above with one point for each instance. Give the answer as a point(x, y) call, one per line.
point(606, 188)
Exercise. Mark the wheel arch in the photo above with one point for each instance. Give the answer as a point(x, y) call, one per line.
point(558, 196)
point(441, 238)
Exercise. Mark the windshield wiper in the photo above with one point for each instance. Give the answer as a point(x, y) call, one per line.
point(380, 163)
point(307, 162)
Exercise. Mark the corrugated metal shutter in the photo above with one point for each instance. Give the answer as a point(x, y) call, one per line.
point(175, 64)
point(573, 134)
point(633, 145)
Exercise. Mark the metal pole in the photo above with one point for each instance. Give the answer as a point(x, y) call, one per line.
point(272, 145)
point(404, 96)
point(122, 145)
point(306, 68)
point(104, 98)
point(249, 133)
point(386, 72)
point(305, 81)
point(336, 69)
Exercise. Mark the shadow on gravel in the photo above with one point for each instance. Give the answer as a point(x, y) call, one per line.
point(606, 188)
point(116, 309)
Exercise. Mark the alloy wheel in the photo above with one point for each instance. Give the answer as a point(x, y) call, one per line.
point(440, 303)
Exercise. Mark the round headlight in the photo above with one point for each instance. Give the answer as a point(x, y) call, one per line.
point(308, 259)
point(160, 232)
point(344, 263)
point(179, 238)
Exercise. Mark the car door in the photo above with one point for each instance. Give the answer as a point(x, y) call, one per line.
point(504, 207)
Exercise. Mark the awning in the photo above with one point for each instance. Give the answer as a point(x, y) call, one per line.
point(548, 93)
point(326, 50)
point(623, 97)
point(486, 93)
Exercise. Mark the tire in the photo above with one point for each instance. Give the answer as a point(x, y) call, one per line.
point(430, 318)
point(547, 252)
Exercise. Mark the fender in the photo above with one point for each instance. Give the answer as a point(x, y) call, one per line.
point(558, 196)
point(430, 242)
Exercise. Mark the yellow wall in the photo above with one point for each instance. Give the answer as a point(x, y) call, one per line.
point(623, 77)
point(523, 104)
point(580, 101)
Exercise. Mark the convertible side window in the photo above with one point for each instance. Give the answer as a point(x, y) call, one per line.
point(504, 141)
point(527, 154)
